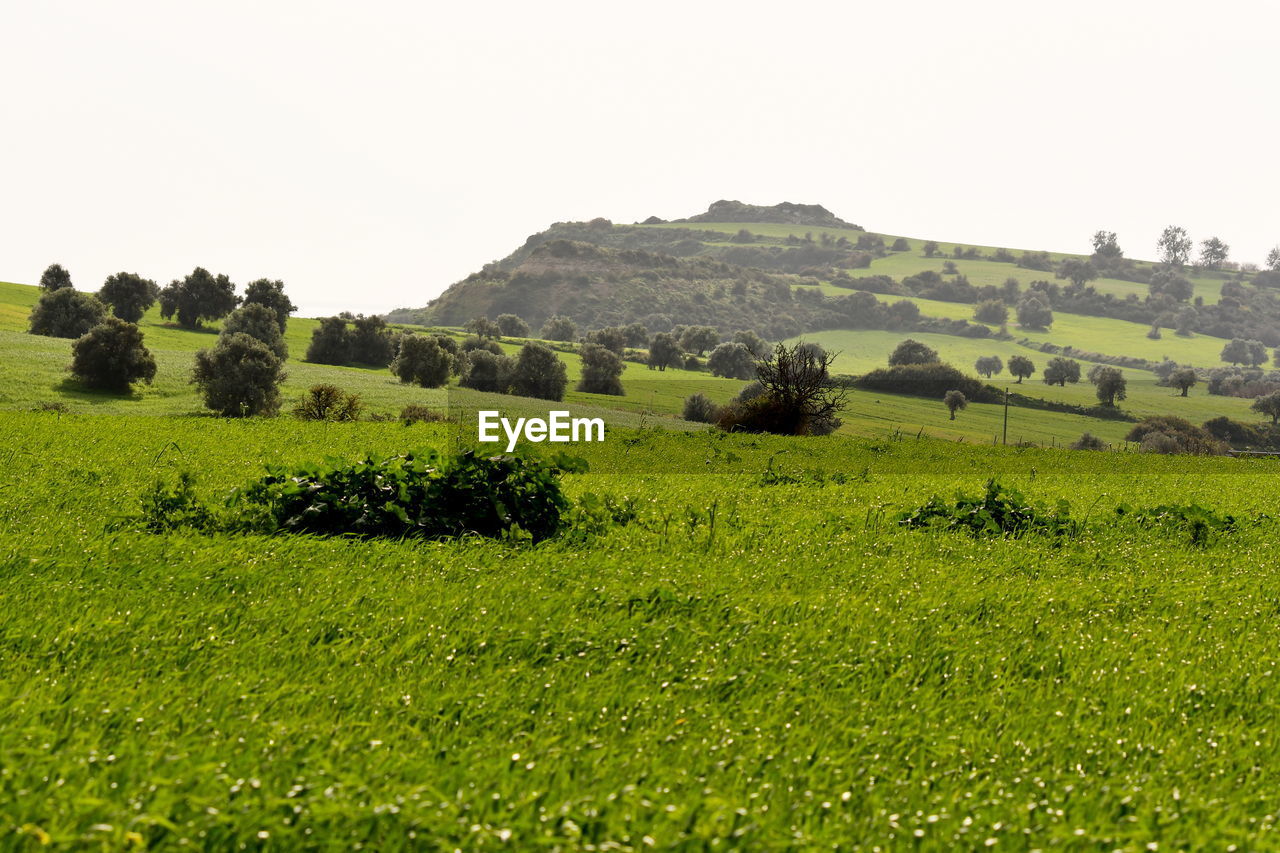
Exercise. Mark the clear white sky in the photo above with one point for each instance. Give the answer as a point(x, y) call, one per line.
point(371, 154)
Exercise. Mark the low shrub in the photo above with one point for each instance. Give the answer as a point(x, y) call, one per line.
point(700, 409)
point(998, 511)
point(1169, 434)
point(415, 413)
point(412, 495)
point(328, 403)
point(1088, 441)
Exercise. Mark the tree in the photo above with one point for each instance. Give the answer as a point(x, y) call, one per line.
point(371, 341)
point(733, 361)
point(1059, 371)
point(601, 370)
point(1174, 246)
point(422, 361)
point(1213, 253)
point(1105, 245)
point(1240, 351)
point(913, 352)
point(1268, 404)
point(330, 342)
point(129, 295)
point(66, 313)
point(265, 291)
point(1034, 312)
point(484, 371)
point(198, 297)
point(55, 277)
point(110, 356)
point(930, 249)
point(512, 326)
point(636, 334)
point(699, 339)
point(955, 400)
point(992, 311)
point(1021, 367)
point(257, 321)
point(1109, 382)
point(1273, 259)
point(239, 377)
point(988, 365)
point(1183, 378)
point(755, 344)
point(1171, 284)
point(664, 352)
point(611, 338)
point(483, 327)
point(1079, 271)
point(796, 397)
point(539, 373)
point(559, 328)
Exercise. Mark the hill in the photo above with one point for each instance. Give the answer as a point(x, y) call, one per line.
point(799, 268)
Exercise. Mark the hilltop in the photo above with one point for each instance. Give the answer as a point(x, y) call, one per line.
point(784, 213)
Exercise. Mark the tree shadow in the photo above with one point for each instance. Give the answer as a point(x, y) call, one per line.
point(78, 391)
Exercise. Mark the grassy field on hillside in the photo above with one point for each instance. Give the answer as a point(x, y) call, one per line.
point(979, 271)
point(33, 371)
point(759, 659)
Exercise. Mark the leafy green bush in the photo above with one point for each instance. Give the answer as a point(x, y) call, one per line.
point(422, 495)
point(998, 511)
point(111, 356)
point(1201, 524)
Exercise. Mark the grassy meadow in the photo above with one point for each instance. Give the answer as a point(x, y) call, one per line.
point(761, 659)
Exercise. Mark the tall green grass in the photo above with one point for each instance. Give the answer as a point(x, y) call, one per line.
point(744, 666)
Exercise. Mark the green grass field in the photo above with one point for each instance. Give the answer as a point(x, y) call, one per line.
point(744, 666)
point(979, 271)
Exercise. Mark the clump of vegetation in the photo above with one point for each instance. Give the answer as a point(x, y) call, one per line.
point(1202, 525)
point(1088, 441)
point(422, 361)
point(1170, 435)
point(416, 413)
point(198, 297)
point(955, 401)
point(797, 396)
point(129, 295)
point(998, 511)
point(422, 496)
point(257, 321)
point(328, 403)
point(64, 312)
point(111, 357)
point(699, 408)
point(538, 372)
point(265, 291)
point(239, 377)
point(601, 370)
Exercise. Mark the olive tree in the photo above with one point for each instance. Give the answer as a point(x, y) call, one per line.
point(66, 313)
point(257, 321)
point(129, 295)
point(733, 361)
point(1021, 367)
point(111, 356)
point(422, 361)
point(955, 401)
point(601, 370)
point(239, 377)
point(268, 292)
point(539, 373)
